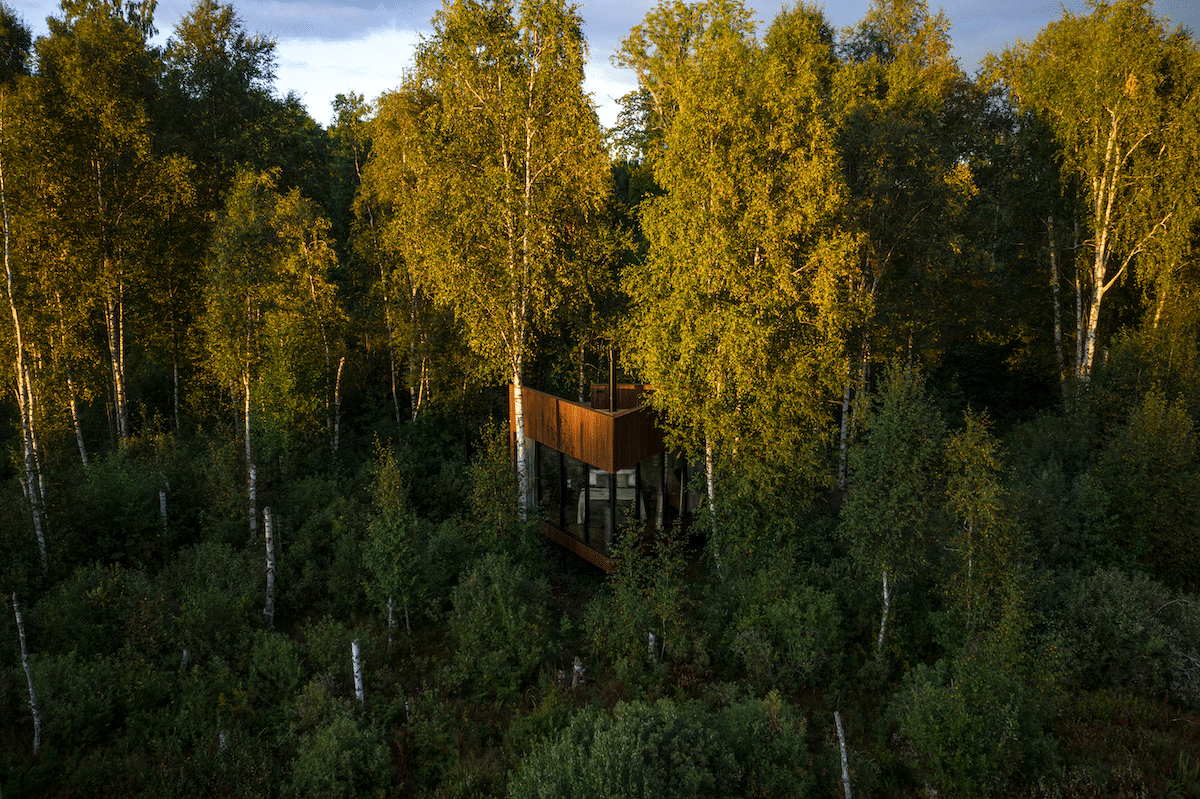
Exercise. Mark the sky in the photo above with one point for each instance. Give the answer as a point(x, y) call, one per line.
point(327, 47)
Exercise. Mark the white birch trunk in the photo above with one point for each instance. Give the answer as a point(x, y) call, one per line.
point(114, 323)
point(837, 720)
point(844, 432)
point(337, 405)
point(33, 704)
point(356, 660)
point(887, 606)
point(252, 500)
point(519, 439)
point(710, 478)
point(251, 471)
point(268, 534)
point(24, 394)
point(1054, 296)
point(162, 509)
point(580, 377)
point(391, 623)
point(414, 378)
point(83, 456)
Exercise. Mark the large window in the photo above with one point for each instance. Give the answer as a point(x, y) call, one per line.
point(592, 505)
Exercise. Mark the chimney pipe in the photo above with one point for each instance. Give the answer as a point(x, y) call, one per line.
point(612, 376)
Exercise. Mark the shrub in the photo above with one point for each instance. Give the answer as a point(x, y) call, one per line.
point(1126, 631)
point(498, 626)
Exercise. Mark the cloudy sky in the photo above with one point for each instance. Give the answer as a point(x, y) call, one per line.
point(326, 47)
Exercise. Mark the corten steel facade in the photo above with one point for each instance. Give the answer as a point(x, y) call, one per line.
point(593, 472)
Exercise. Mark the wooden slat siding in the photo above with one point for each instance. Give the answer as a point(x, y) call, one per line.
point(597, 559)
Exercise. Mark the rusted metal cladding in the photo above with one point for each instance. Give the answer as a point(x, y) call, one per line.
point(635, 438)
point(629, 396)
point(597, 559)
point(604, 440)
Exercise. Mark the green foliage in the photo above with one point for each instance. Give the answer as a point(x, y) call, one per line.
point(114, 516)
point(15, 43)
point(339, 752)
point(767, 739)
point(1116, 88)
point(892, 512)
point(753, 749)
point(219, 599)
point(1149, 475)
point(644, 750)
point(495, 521)
point(739, 308)
point(1127, 632)
point(1049, 458)
point(782, 631)
point(974, 724)
point(986, 551)
point(271, 316)
point(639, 624)
point(394, 546)
point(499, 627)
point(323, 527)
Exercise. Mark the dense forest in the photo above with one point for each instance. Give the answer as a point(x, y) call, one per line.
point(932, 339)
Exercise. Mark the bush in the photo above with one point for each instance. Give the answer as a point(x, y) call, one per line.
point(339, 753)
point(781, 632)
point(498, 626)
point(752, 748)
point(640, 623)
point(1124, 631)
point(973, 725)
point(644, 750)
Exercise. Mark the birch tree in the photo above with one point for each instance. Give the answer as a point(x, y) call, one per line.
point(15, 44)
point(739, 308)
point(891, 512)
point(899, 96)
point(112, 183)
point(511, 171)
point(268, 308)
point(1114, 87)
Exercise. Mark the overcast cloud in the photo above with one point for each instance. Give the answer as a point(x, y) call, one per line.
point(327, 47)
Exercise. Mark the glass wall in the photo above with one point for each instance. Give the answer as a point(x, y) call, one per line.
point(599, 510)
point(592, 505)
point(550, 484)
point(575, 499)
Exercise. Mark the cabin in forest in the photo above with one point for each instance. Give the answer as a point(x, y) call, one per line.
point(595, 467)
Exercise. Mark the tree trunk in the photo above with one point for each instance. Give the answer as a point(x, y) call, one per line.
point(269, 535)
point(83, 456)
point(580, 364)
point(887, 606)
point(251, 472)
point(175, 372)
point(844, 432)
point(519, 440)
point(62, 338)
point(33, 484)
point(356, 661)
point(33, 704)
point(337, 405)
point(710, 477)
point(837, 720)
point(114, 324)
point(414, 377)
point(391, 623)
point(1054, 296)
